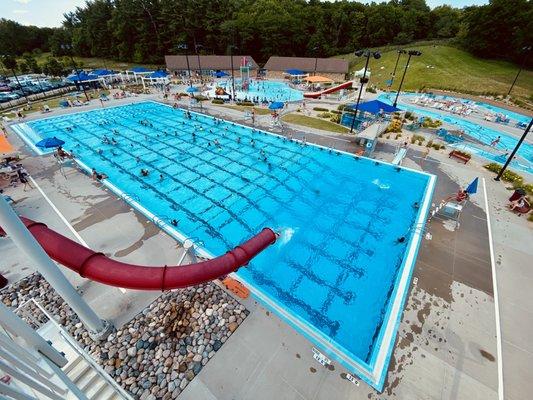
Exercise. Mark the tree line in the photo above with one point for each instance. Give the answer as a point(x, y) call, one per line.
point(143, 31)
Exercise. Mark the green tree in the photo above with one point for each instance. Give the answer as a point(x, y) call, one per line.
point(53, 67)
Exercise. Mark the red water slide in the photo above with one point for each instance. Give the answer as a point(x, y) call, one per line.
point(100, 268)
point(316, 95)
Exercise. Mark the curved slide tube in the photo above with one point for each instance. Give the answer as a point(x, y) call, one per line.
point(100, 268)
point(316, 95)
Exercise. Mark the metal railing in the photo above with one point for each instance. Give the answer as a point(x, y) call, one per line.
point(76, 347)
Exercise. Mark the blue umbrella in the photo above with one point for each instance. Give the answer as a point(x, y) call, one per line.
point(276, 105)
point(48, 143)
point(220, 74)
point(374, 107)
point(192, 89)
point(472, 188)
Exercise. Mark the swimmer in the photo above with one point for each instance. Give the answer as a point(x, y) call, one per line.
point(174, 222)
point(416, 206)
point(401, 239)
point(144, 172)
point(161, 177)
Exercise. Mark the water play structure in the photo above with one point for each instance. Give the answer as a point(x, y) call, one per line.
point(97, 267)
point(245, 74)
point(316, 95)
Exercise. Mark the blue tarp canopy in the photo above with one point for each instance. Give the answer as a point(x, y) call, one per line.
point(295, 71)
point(140, 69)
point(50, 142)
point(192, 89)
point(83, 76)
point(276, 105)
point(374, 107)
point(158, 74)
point(102, 72)
point(220, 74)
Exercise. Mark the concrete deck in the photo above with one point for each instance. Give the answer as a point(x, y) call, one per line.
point(446, 347)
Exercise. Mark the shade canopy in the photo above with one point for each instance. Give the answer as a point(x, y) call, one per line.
point(294, 71)
point(140, 69)
point(318, 79)
point(220, 74)
point(192, 89)
point(82, 77)
point(5, 146)
point(276, 105)
point(102, 72)
point(48, 143)
point(374, 107)
point(158, 74)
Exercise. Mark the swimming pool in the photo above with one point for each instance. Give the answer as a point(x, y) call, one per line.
point(524, 161)
point(263, 90)
point(338, 273)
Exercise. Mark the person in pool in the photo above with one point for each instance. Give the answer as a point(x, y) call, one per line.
point(97, 176)
point(144, 172)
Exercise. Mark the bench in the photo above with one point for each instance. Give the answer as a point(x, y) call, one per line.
point(459, 156)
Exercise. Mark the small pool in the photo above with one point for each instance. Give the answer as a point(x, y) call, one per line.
point(524, 160)
point(261, 90)
point(338, 273)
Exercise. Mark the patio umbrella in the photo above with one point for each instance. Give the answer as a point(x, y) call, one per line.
point(375, 106)
point(276, 105)
point(220, 74)
point(48, 143)
point(472, 188)
point(192, 89)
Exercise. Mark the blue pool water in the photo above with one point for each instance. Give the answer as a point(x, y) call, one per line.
point(524, 160)
point(264, 90)
point(337, 262)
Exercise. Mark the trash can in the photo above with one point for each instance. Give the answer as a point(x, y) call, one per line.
point(517, 194)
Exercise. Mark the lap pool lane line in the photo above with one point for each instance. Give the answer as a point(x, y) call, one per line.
point(496, 301)
point(63, 218)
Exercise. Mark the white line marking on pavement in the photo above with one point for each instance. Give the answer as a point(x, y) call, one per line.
point(496, 302)
point(61, 216)
point(65, 221)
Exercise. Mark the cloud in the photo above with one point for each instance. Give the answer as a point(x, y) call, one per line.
point(20, 11)
point(22, 1)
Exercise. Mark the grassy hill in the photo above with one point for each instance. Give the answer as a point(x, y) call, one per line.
point(443, 66)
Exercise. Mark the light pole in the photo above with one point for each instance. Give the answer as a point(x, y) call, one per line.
point(231, 48)
point(400, 52)
point(69, 48)
point(197, 47)
point(411, 53)
point(183, 46)
point(510, 158)
point(363, 80)
point(315, 50)
point(526, 51)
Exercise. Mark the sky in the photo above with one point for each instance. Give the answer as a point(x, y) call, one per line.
point(50, 12)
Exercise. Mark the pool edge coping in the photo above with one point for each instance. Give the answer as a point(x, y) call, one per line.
point(374, 376)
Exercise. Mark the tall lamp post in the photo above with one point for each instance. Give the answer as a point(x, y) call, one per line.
point(363, 80)
point(183, 46)
point(198, 47)
point(231, 48)
point(510, 158)
point(526, 51)
point(68, 48)
point(411, 53)
point(400, 52)
point(315, 50)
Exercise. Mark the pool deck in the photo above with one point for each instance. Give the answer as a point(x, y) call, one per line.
point(447, 342)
